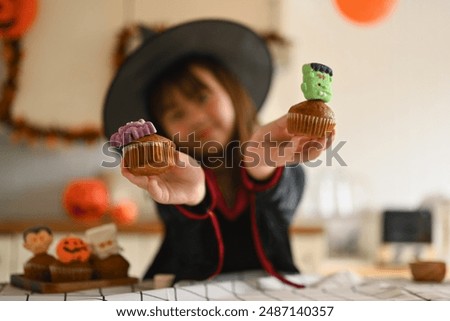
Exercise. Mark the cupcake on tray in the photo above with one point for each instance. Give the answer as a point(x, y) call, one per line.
point(73, 261)
point(106, 260)
point(37, 240)
point(313, 117)
point(144, 152)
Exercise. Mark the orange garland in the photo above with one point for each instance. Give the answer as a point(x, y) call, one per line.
point(22, 129)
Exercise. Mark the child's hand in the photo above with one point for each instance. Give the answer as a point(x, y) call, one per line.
point(183, 183)
point(272, 146)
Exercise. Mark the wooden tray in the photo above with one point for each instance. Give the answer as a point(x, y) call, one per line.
point(20, 281)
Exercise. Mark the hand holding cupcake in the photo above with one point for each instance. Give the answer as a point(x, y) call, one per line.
point(151, 162)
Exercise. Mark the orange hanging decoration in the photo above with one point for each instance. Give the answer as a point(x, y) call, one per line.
point(365, 12)
point(86, 200)
point(125, 212)
point(16, 17)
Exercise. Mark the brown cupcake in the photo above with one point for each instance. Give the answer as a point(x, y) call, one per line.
point(71, 272)
point(144, 151)
point(114, 266)
point(311, 118)
point(149, 155)
point(38, 267)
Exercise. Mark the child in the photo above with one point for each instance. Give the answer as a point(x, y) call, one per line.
point(228, 203)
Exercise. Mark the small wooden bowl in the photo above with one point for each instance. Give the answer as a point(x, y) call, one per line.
point(428, 271)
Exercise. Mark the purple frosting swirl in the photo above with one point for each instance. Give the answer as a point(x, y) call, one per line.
point(132, 131)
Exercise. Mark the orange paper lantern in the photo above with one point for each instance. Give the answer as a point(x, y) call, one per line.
point(16, 16)
point(86, 200)
point(365, 11)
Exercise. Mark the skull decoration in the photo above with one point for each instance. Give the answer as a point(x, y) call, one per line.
point(103, 240)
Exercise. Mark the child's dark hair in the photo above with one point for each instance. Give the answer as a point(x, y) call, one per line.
point(180, 75)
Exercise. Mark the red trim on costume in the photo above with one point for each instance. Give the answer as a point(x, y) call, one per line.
point(256, 186)
point(267, 265)
point(215, 223)
point(220, 246)
point(240, 202)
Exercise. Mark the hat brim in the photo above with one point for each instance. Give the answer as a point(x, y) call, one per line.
point(240, 49)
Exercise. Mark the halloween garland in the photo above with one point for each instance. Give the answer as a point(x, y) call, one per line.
point(22, 130)
point(17, 18)
point(25, 131)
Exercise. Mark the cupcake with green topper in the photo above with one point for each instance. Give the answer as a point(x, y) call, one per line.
point(313, 117)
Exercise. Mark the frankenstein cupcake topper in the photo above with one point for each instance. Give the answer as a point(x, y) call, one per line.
point(313, 117)
point(317, 79)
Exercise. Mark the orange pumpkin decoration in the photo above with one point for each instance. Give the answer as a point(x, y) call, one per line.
point(72, 249)
point(86, 200)
point(16, 16)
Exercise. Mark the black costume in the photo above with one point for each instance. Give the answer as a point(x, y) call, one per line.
point(190, 249)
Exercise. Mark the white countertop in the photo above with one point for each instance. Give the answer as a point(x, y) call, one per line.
point(255, 286)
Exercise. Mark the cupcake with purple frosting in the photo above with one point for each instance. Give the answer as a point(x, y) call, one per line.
point(144, 152)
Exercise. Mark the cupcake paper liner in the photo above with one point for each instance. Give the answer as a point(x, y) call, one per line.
point(113, 267)
point(70, 273)
point(37, 271)
point(309, 125)
point(154, 156)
